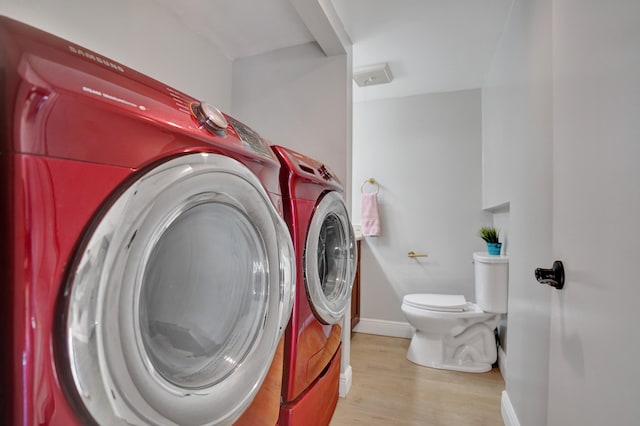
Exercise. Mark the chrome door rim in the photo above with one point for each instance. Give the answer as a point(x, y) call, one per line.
point(113, 375)
point(329, 308)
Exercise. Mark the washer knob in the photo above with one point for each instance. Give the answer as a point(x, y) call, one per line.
point(210, 117)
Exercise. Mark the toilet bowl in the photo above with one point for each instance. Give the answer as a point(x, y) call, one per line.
point(453, 334)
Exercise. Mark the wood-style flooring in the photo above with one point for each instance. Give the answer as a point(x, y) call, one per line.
point(388, 390)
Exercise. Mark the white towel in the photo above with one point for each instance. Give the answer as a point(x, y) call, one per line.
point(369, 218)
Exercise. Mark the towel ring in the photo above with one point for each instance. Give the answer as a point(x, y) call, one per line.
point(370, 181)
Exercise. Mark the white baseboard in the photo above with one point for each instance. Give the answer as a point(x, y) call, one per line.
point(345, 382)
point(384, 328)
point(508, 413)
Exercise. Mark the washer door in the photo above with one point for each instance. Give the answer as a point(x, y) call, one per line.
point(180, 297)
point(330, 259)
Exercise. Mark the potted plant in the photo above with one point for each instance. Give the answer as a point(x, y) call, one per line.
point(490, 235)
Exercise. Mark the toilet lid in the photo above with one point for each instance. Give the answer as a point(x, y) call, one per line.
point(437, 302)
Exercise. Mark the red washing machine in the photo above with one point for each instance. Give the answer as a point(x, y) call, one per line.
point(326, 257)
point(148, 275)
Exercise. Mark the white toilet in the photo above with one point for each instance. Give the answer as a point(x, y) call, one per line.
point(454, 334)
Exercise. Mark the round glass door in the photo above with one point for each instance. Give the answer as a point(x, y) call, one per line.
point(330, 259)
point(204, 295)
point(180, 297)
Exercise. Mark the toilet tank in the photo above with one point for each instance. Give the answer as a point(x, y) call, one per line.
point(492, 282)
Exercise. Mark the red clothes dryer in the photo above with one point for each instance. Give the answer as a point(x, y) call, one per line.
point(326, 257)
point(147, 274)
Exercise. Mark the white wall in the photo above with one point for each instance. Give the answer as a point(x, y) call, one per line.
point(425, 151)
point(517, 149)
point(298, 97)
point(140, 34)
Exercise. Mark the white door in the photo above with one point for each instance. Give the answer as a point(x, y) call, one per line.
point(594, 362)
point(179, 297)
point(330, 259)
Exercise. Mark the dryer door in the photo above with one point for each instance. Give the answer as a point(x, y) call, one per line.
point(179, 296)
point(330, 259)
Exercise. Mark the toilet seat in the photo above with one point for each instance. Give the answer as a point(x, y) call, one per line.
point(437, 302)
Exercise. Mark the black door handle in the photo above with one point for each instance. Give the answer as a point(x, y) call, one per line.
point(553, 277)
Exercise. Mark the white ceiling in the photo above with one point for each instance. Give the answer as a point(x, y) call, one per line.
point(243, 28)
point(430, 45)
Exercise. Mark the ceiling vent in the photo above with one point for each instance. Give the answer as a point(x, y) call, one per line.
point(371, 75)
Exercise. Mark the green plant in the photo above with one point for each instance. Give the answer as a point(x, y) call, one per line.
point(489, 234)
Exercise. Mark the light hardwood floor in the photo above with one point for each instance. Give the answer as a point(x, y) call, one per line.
point(388, 390)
